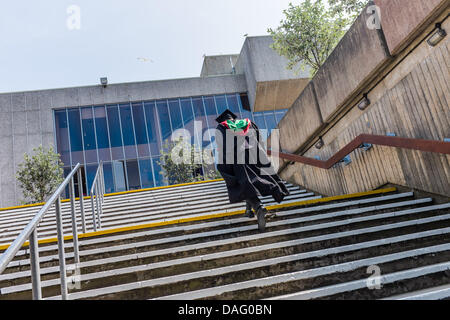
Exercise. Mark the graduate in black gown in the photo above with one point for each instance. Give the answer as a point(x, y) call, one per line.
point(245, 167)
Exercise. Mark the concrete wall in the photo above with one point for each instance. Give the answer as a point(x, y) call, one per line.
point(355, 60)
point(303, 119)
point(26, 118)
point(401, 21)
point(218, 65)
point(409, 96)
point(265, 71)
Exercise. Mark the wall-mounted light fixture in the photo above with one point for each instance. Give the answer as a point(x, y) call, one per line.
point(319, 143)
point(346, 160)
point(437, 35)
point(366, 146)
point(365, 102)
point(104, 81)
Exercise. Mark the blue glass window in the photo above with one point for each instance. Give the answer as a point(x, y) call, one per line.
point(233, 104)
point(259, 120)
point(152, 128)
point(62, 136)
point(242, 101)
point(133, 175)
point(164, 119)
point(175, 114)
point(221, 103)
point(90, 147)
point(115, 132)
point(91, 170)
point(270, 120)
point(76, 140)
point(127, 131)
point(145, 168)
point(66, 173)
point(140, 130)
point(279, 114)
point(119, 175)
point(109, 179)
point(159, 178)
point(76, 182)
point(128, 137)
point(188, 116)
point(101, 128)
point(211, 113)
point(199, 111)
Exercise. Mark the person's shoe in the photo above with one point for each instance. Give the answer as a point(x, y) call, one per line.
point(260, 213)
point(249, 214)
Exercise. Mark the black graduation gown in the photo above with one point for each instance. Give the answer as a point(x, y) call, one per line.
point(244, 181)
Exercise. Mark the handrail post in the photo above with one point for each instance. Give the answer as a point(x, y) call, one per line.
point(35, 268)
point(80, 192)
point(102, 182)
point(61, 254)
point(94, 219)
point(74, 222)
point(97, 206)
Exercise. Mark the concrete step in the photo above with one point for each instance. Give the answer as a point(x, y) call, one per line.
point(188, 242)
point(156, 218)
point(114, 273)
point(47, 227)
point(433, 293)
point(110, 206)
point(436, 260)
point(230, 226)
point(110, 274)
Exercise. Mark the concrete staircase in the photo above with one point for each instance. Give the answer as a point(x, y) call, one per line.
point(188, 242)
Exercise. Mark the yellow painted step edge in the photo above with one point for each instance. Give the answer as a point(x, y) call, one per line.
point(210, 216)
point(115, 194)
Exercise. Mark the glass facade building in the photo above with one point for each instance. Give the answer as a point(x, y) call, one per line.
point(128, 137)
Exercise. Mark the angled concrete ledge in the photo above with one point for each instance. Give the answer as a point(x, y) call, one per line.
point(302, 120)
point(355, 60)
point(402, 20)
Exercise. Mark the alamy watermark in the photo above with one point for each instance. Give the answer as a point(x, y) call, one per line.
point(374, 281)
point(374, 20)
point(73, 272)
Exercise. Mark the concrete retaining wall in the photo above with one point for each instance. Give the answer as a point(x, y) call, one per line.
point(409, 95)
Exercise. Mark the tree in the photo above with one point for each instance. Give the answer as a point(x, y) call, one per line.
point(311, 31)
point(351, 7)
point(40, 174)
point(182, 163)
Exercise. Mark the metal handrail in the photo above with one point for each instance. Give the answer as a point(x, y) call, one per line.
point(30, 232)
point(387, 141)
point(97, 192)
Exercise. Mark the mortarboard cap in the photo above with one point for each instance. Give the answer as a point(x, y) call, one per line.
point(226, 115)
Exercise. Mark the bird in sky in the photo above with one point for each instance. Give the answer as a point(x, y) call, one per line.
point(145, 59)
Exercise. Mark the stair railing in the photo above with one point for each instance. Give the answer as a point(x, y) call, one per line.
point(365, 141)
point(97, 196)
point(30, 233)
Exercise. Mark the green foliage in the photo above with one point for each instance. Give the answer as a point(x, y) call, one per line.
point(350, 7)
point(40, 175)
point(182, 163)
point(311, 31)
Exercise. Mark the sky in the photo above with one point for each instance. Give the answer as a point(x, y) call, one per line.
point(60, 43)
